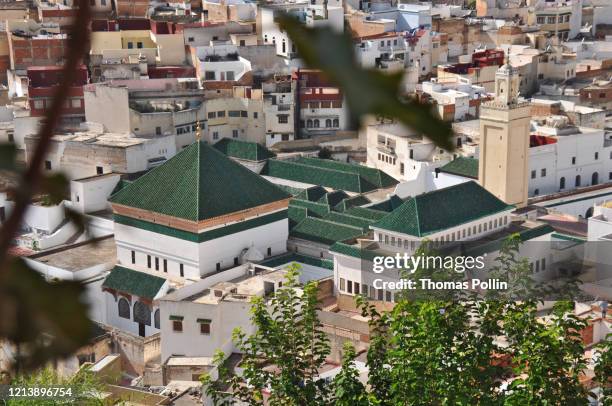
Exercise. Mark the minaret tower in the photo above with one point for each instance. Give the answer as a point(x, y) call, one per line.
point(504, 140)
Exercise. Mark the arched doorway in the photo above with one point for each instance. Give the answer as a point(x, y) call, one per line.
point(562, 183)
point(589, 213)
point(595, 178)
point(577, 180)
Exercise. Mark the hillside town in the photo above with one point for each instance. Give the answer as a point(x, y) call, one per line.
point(206, 158)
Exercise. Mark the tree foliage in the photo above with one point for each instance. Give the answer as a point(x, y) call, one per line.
point(85, 388)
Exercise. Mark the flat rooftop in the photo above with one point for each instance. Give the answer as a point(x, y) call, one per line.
point(78, 257)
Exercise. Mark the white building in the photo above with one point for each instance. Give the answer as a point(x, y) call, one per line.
point(457, 214)
point(563, 157)
point(220, 62)
point(197, 215)
point(312, 15)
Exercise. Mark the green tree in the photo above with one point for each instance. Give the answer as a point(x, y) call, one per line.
point(84, 388)
point(348, 390)
point(603, 370)
point(284, 354)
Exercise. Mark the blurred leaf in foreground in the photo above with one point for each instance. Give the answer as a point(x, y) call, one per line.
point(367, 91)
point(47, 320)
point(8, 157)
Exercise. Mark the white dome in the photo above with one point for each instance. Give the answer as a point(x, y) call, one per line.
point(252, 255)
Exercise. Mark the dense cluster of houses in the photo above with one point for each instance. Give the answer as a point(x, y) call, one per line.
point(206, 158)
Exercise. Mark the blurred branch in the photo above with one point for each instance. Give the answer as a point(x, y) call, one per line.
point(31, 179)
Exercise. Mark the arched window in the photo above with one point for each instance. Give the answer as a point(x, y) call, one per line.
point(124, 308)
point(142, 313)
point(284, 47)
point(156, 318)
point(577, 180)
point(562, 183)
point(328, 123)
point(336, 123)
point(595, 178)
point(316, 123)
point(309, 123)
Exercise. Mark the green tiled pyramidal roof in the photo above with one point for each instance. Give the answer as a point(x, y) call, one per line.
point(388, 205)
point(250, 151)
point(133, 282)
point(441, 209)
point(462, 166)
point(199, 183)
point(328, 173)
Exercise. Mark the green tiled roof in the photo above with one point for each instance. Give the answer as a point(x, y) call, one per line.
point(199, 183)
point(304, 259)
point(336, 175)
point(323, 231)
point(354, 201)
point(462, 166)
point(333, 198)
point(133, 282)
point(120, 185)
point(366, 212)
point(388, 205)
point(250, 151)
point(312, 194)
point(354, 221)
point(314, 208)
point(442, 209)
point(567, 237)
point(373, 176)
point(296, 214)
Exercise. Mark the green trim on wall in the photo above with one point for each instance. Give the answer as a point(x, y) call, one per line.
point(206, 235)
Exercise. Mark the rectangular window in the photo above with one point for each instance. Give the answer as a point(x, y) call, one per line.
point(388, 296)
point(380, 294)
point(233, 113)
point(533, 174)
point(165, 265)
point(255, 115)
point(543, 172)
point(229, 75)
point(205, 328)
point(130, 45)
point(133, 257)
point(342, 284)
point(177, 326)
point(356, 288)
point(218, 266)
point(543, 267)
point(215, 135)
point(349, 286)
point(99, 170)
point(158, 131)
point(234, 133)
point(401, 168)
point(139, 45)
point(156, 264)
point(48, 165)
point(596, 155)
point(221, 113)
point(244, 113)
point(149, 261)
point(283, 119)
point(269, 251)
point(181, 272)
point(573, 160)
point(209, 75)
point(212, 114)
